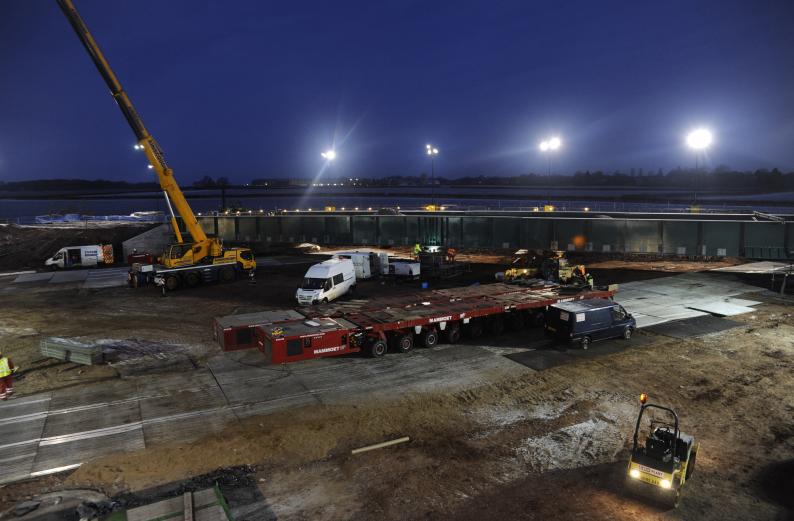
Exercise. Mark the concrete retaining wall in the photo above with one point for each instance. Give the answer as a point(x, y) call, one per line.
point(674, 236)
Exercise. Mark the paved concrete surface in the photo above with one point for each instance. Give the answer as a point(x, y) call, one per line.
point(656, 301)
point(758, 267)
point(96, 278)
point(54, 431)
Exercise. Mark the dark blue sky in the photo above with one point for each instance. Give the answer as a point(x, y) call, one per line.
point(248, 89)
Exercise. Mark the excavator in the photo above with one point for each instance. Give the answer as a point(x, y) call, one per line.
point(182, 263)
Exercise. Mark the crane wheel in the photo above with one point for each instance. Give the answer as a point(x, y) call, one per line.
point(227, 274)
point(429, 337)
point(453, 333)
point(171, 282)
point(377, 349)
point(192, 280)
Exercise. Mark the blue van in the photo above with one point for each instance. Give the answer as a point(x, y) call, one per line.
point(586, 321)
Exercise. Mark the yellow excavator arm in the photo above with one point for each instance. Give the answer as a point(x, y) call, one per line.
point(180, 254)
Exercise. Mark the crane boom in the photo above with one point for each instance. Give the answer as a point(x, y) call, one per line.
point(173, 194)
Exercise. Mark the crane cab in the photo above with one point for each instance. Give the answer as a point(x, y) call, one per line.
point(179, 255)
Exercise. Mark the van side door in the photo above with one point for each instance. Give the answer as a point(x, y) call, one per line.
point(339, 280)
point(599, 323)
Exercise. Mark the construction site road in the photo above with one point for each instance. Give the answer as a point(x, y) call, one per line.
point(56, 431)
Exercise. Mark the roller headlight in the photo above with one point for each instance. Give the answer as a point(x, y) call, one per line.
point(665, 483)
point(634, 473)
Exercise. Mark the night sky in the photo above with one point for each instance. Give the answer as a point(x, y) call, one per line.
point(247, 89)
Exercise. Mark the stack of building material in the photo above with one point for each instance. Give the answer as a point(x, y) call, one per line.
point(70, 350)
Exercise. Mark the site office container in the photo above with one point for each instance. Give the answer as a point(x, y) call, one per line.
point(234, 332)
point(449, 313)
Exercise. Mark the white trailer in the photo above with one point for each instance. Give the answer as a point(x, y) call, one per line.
point(367, 263)
point(404, 268)
point(81, 256)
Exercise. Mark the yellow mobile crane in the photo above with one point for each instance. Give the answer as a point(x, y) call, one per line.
point(182, 263)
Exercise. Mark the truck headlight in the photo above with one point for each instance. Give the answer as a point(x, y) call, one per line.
point(634, 473)
point(665, 483)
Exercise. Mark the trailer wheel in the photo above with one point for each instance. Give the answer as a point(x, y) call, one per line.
point(453, 333)
point(429, 337)
point(585, 342)
point(227, 274)
point(517, 321)
point(403, 343)
point(192, 280)
point(497, 325)
point(171, 282)
point(475, 328)
point(377, 349)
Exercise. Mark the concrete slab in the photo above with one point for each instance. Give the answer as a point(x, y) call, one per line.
point(694, 327)
point(741, 301)
point(756, 267)
point(722, 309)
point(182, 402)
point(106, 278)
point(20, 430)
point(74, 422)
point(33, 277)
point(187, 426)
point(69, 276)
point(57, 453)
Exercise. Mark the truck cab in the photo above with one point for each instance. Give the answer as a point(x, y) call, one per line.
point(589, 320)
point(326, 281)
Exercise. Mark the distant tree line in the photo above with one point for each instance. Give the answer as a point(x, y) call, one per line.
point(75, 184)
point(720, 178)
point(717, 179)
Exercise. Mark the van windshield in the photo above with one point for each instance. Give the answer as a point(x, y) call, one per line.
point(312, 283)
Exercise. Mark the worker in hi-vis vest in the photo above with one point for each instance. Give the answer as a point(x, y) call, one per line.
point(7, 370)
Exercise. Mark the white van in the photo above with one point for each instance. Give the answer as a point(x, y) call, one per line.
point(367, 263)
point(326, 281)
point(81, 256)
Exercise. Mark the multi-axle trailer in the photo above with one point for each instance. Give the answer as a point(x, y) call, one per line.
point(397, 324)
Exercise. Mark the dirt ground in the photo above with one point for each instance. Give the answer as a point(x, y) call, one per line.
point(551, 445)
point(28, 246)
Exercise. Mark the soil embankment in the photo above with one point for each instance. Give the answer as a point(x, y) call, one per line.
point(28, 246)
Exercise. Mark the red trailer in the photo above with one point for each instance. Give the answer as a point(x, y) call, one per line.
point(380, 325)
